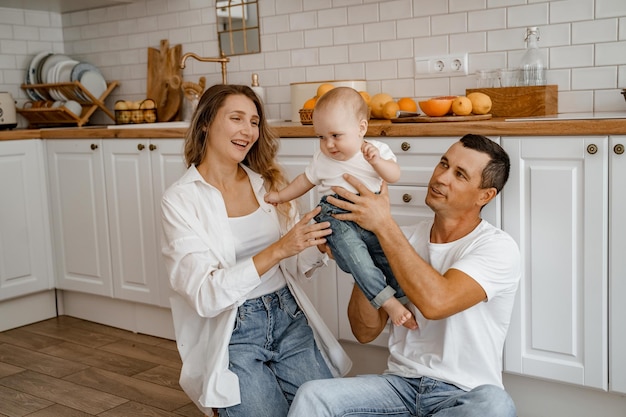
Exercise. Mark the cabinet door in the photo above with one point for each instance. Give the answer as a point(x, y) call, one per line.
point(555, 207)
point(617, 264)
point(132, 225)
point(80, 223)
point(168, 165)
point(25, 246)
point(294, 156)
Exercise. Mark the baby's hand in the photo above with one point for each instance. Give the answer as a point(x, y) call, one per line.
point(370, 152)
point(272, 198)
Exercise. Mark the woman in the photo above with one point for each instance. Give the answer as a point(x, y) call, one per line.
point(241, 320)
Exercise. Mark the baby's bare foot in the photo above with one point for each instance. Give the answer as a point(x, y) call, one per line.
point(399, 314)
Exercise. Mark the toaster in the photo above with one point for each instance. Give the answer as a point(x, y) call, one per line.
point(8, 118)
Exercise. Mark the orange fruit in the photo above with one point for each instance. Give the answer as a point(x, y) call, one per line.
point(436, 107)
point(481, 102)
point(324, 88)
point(461, 106)
point(377, 102)
point(407, 104)
point(366, 96)
point(390, 110)
point(310, 103)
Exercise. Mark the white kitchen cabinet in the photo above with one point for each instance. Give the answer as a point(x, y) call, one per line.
point(137, 172)
point(555, 206)
point(25, 241)
point(79, 216)
point(617, 264)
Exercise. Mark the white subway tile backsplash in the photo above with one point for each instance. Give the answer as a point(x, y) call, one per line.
point(301, 21)
point(594, 78)
point(575, 101)
point(610, 8)
point(413, 28)
point(363, 14)
point(332, 18)
point(334, 55)
point(394, 10)
point(604, 30)
point(529, 15)
point(584, 42)
point(379, 31)
point(571, 56)
point(611, 53)
point(450, 23)
point(318, 37)
point(348, 35)
point(571, 11)
point(402, 48)
point(484, 20)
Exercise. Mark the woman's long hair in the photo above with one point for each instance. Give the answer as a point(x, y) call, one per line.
point(262, 156)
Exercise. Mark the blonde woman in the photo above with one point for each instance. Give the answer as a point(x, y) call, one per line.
point(246, 332)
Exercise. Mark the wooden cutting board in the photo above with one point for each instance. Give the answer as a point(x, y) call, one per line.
point(428, 119)
point(165, 80)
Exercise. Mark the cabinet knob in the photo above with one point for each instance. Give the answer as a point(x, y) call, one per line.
point(407, 198)
point(141, 146)
point(592, 149)
point(152, 147)
point(618, 149)
point(94, 146)
point(405, 146)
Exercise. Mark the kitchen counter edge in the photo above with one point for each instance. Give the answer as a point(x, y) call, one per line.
point(377, 128)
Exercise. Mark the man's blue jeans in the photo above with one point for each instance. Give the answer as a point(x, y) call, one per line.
point(357, 252)
point(273, 352)
point(391, 395)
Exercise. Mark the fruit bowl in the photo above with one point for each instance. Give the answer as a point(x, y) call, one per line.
point(436, 107)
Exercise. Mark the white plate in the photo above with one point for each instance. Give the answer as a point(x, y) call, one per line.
point(64, 74)
point(49, 63)
point(32, 68)
point(94, 83)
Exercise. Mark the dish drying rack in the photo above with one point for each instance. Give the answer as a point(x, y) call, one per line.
point(74, 90)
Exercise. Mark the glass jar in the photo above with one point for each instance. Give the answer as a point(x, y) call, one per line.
point(533, 68)
point(487, 79)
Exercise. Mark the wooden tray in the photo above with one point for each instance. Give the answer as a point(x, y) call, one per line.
point(539, 100)
point(428, 119)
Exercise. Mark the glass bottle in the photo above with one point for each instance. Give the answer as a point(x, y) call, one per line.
point(533, 68)
point(260, 91)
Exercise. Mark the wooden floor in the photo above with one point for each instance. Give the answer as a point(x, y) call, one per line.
point(73, 368)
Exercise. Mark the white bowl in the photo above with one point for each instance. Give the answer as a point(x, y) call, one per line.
point(74, 107)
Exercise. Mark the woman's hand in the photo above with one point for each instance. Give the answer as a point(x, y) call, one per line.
point(304, 234)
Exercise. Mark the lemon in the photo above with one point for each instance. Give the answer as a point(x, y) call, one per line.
point(377, 103)
point(390, 110)
point(462, 106)
point(323, 89)
point(481, 102)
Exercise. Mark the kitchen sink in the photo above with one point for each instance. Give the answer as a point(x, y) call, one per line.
point(158, 125)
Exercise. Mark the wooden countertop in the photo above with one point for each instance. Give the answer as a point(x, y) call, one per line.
point(377, 128)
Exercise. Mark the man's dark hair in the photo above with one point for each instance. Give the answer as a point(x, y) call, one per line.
point(496, 173)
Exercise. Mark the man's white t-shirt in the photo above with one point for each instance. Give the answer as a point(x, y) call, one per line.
point(464, 349)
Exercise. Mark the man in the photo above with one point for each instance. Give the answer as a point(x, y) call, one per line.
point(460, 274)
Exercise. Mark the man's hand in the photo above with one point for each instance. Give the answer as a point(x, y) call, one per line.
point(369, 210)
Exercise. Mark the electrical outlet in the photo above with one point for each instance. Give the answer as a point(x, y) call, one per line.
point(441, 66)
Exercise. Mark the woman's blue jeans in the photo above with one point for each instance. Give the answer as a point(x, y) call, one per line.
point(394, 396)
point(357, 252)
point(273, 352)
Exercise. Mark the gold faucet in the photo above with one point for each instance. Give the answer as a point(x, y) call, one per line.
point(222, 60)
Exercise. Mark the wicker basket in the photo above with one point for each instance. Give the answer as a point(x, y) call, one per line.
point(306, 116)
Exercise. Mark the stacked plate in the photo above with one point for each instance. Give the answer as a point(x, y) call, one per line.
point(50, 68)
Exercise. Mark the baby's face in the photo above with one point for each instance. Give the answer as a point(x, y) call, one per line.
point(339, 130)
